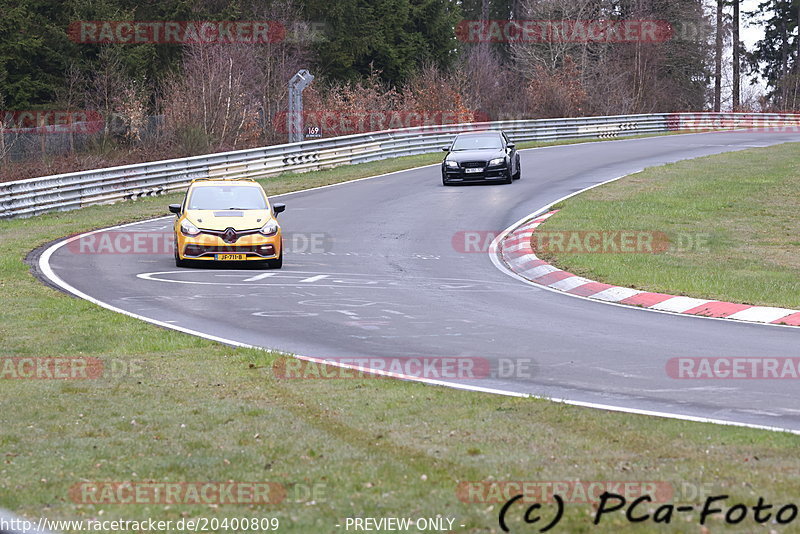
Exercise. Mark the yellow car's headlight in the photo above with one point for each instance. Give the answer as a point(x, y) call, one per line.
point(271, 228)
point(188, 228)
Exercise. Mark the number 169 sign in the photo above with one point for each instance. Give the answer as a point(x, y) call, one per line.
point(313, 132)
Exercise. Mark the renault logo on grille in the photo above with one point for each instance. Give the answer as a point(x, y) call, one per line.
point(230, 236)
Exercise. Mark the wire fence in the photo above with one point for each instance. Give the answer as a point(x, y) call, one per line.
point(73, 190)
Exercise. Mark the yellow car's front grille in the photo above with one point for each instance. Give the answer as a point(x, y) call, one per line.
point(197, 251)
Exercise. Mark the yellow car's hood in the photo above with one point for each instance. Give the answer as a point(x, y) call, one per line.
point(224, 219)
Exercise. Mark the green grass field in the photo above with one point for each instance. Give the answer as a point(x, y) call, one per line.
point(731, 220)
point(182, 409)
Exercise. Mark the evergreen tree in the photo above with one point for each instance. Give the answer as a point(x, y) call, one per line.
point(394, 37)
point(776, 55)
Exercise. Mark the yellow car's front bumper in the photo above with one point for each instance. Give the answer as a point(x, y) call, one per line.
point(205, 247)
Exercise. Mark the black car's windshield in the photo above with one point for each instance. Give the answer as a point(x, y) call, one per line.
point(224, 197)
point(477, 142)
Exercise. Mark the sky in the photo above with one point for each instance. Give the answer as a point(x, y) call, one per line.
point(750, 33)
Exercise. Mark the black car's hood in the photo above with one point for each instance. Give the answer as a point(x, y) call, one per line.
point(475, 155)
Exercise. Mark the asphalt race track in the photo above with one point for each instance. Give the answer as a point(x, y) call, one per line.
point(383, 279)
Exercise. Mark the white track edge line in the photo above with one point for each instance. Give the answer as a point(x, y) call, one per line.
point(47, 271)
point(494, 256)
point(44, 267)
point(494, 253)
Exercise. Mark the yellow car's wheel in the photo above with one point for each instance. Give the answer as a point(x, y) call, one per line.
point(277, 263)
point(178, 261)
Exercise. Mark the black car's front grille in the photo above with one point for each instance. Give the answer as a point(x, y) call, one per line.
point(473, 164)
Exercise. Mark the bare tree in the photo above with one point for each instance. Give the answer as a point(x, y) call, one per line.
point(784, 64)
point(279, 59)
point(551, 53)
point(213, 102)
point(130, 108)
point(105, 86)
point(559, 93)
point(71, 96)
point(488, 86)
point(433, 90)
point(3, 152)
point(5, 117)
point(736, 59)
point(796, 88)
point(718, 59)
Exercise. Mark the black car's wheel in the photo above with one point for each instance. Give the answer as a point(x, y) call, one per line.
point(509, 177)
point(518, 174)
point(445, 182)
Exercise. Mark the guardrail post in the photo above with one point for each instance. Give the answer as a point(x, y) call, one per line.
point(297, 84)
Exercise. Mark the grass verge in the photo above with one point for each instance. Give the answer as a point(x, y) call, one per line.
point(731, 221)
point(174, 408)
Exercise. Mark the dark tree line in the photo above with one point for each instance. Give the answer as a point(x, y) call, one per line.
point(777, 56)
point(397, 38)
point(367, 55)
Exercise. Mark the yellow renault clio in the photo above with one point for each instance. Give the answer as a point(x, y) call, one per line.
point(227, 220)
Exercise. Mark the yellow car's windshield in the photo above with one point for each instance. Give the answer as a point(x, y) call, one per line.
point(227, 197)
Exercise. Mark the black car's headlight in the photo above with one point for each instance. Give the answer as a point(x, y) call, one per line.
point(496, 161)
point(451, 164)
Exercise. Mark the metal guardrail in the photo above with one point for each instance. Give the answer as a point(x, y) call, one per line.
point(24, 198)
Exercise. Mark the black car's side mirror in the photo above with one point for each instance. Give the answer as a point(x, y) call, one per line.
point(278, 208)
point(445, 149)
point(175, 208)
point(512, 146)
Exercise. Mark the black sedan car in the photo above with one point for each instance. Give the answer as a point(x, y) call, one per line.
point(480, 157)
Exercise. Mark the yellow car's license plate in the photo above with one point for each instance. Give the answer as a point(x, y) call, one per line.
point(230, 257)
